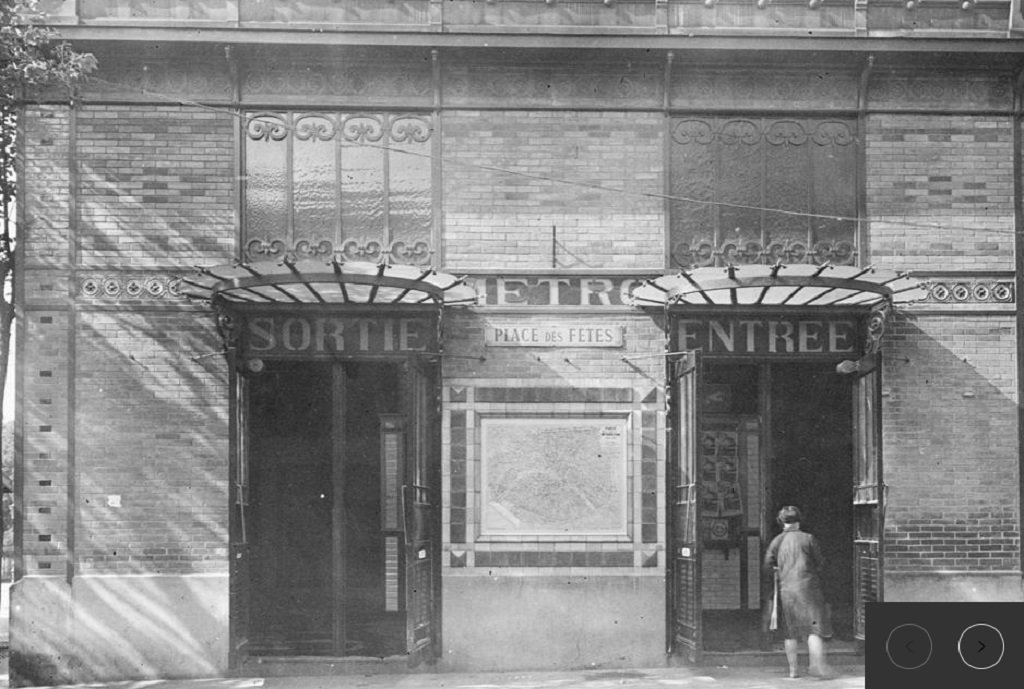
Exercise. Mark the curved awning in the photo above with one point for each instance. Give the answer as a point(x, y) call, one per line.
point(781, 286)
point(321, 282)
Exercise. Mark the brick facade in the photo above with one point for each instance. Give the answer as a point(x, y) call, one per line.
point(555, 165)
point(951, 172)
point(950, 393)
point(156, 186)
point(490, 213)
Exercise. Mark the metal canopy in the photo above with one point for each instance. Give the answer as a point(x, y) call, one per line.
point(326, 283)
point(781, 286)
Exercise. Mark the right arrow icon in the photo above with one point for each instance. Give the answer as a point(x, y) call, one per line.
point(988, 646)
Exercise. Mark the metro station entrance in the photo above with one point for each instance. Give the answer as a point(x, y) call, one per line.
point(341, 510)
point(772, 434)
point(335, 455)
point(774, 378)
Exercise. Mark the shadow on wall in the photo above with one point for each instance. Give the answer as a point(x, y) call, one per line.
point(137, 627)
point(151, 463)
point(951, 458)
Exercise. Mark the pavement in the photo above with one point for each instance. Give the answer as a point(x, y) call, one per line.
point(720, 677)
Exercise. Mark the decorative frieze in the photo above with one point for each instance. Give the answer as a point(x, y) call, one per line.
point(968, 291)
point(351, 127)
point(635, 85)
point(132, 286)
point(338, 81)
point(703, 252)
point(746, 89)
point(946, 91)
point(140, 79)
point(357, 249)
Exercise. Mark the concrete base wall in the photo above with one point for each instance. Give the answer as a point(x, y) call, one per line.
point(955, 588)
point(501, 623)
point(118, 627)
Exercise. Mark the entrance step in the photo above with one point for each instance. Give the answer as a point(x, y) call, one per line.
point(840, 657)
point(318, 666)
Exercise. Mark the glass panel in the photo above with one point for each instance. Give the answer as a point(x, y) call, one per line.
point(315, 198)
point(391, 574)
point(335, 12)
point(360, 184)
point(362, 192)
point(805, 168)
point(788, 188)
point(266, 178)
point(152, 9)
point(409, 191)
point(834, 164)
point(866, 473)
point(693, 179)
point(740, 182)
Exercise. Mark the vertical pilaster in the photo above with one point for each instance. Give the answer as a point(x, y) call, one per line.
point(45, 531)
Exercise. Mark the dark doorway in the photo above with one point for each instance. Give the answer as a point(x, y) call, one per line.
point(325, 457)
point(792, 426)
point(812, 444)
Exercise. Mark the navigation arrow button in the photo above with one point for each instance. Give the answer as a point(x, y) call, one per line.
point(909, 646)
point(989, 643)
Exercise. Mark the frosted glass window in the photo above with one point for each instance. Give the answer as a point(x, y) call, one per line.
point(358, 186)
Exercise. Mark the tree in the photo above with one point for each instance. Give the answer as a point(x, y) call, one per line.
point(31, 58)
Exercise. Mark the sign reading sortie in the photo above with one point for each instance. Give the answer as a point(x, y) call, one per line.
point(311, 335)
point(743, 336)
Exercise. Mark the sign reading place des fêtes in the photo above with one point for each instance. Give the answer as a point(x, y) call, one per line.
point(520, 335)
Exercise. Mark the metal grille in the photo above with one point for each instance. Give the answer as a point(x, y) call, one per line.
point(686, 611)
point(420, 582)
point(866, 571)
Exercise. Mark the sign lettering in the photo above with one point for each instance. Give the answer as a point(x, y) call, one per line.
point(743, 336)
point(555, 291)
point(552, 336)
point(280, 335)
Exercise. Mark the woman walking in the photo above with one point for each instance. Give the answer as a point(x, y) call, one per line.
point(794, 558)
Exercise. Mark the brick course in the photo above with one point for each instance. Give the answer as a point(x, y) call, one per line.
point(156, 185)
point(495, 219)
point(951, 451)
point(46, 186)
point(951, 172)
point(152, 428)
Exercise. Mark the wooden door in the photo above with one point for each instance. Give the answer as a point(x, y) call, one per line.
point(238, 552)
point(421, 509)
point(868, 489)
point(289, 510)
point(684, 561)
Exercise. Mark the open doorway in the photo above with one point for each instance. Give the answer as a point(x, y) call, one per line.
point(787, 428)
point(326, 462)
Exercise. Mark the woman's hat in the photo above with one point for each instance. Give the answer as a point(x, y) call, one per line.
point(790, 514)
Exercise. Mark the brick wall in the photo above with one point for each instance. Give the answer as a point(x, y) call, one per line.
point(156, 185)
point(43, 368)
point(952, 177)
point(44, 502)
point(152, 432)
point(155, 196)
point(495, 219)
point(46, 186)
point(951, 455)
